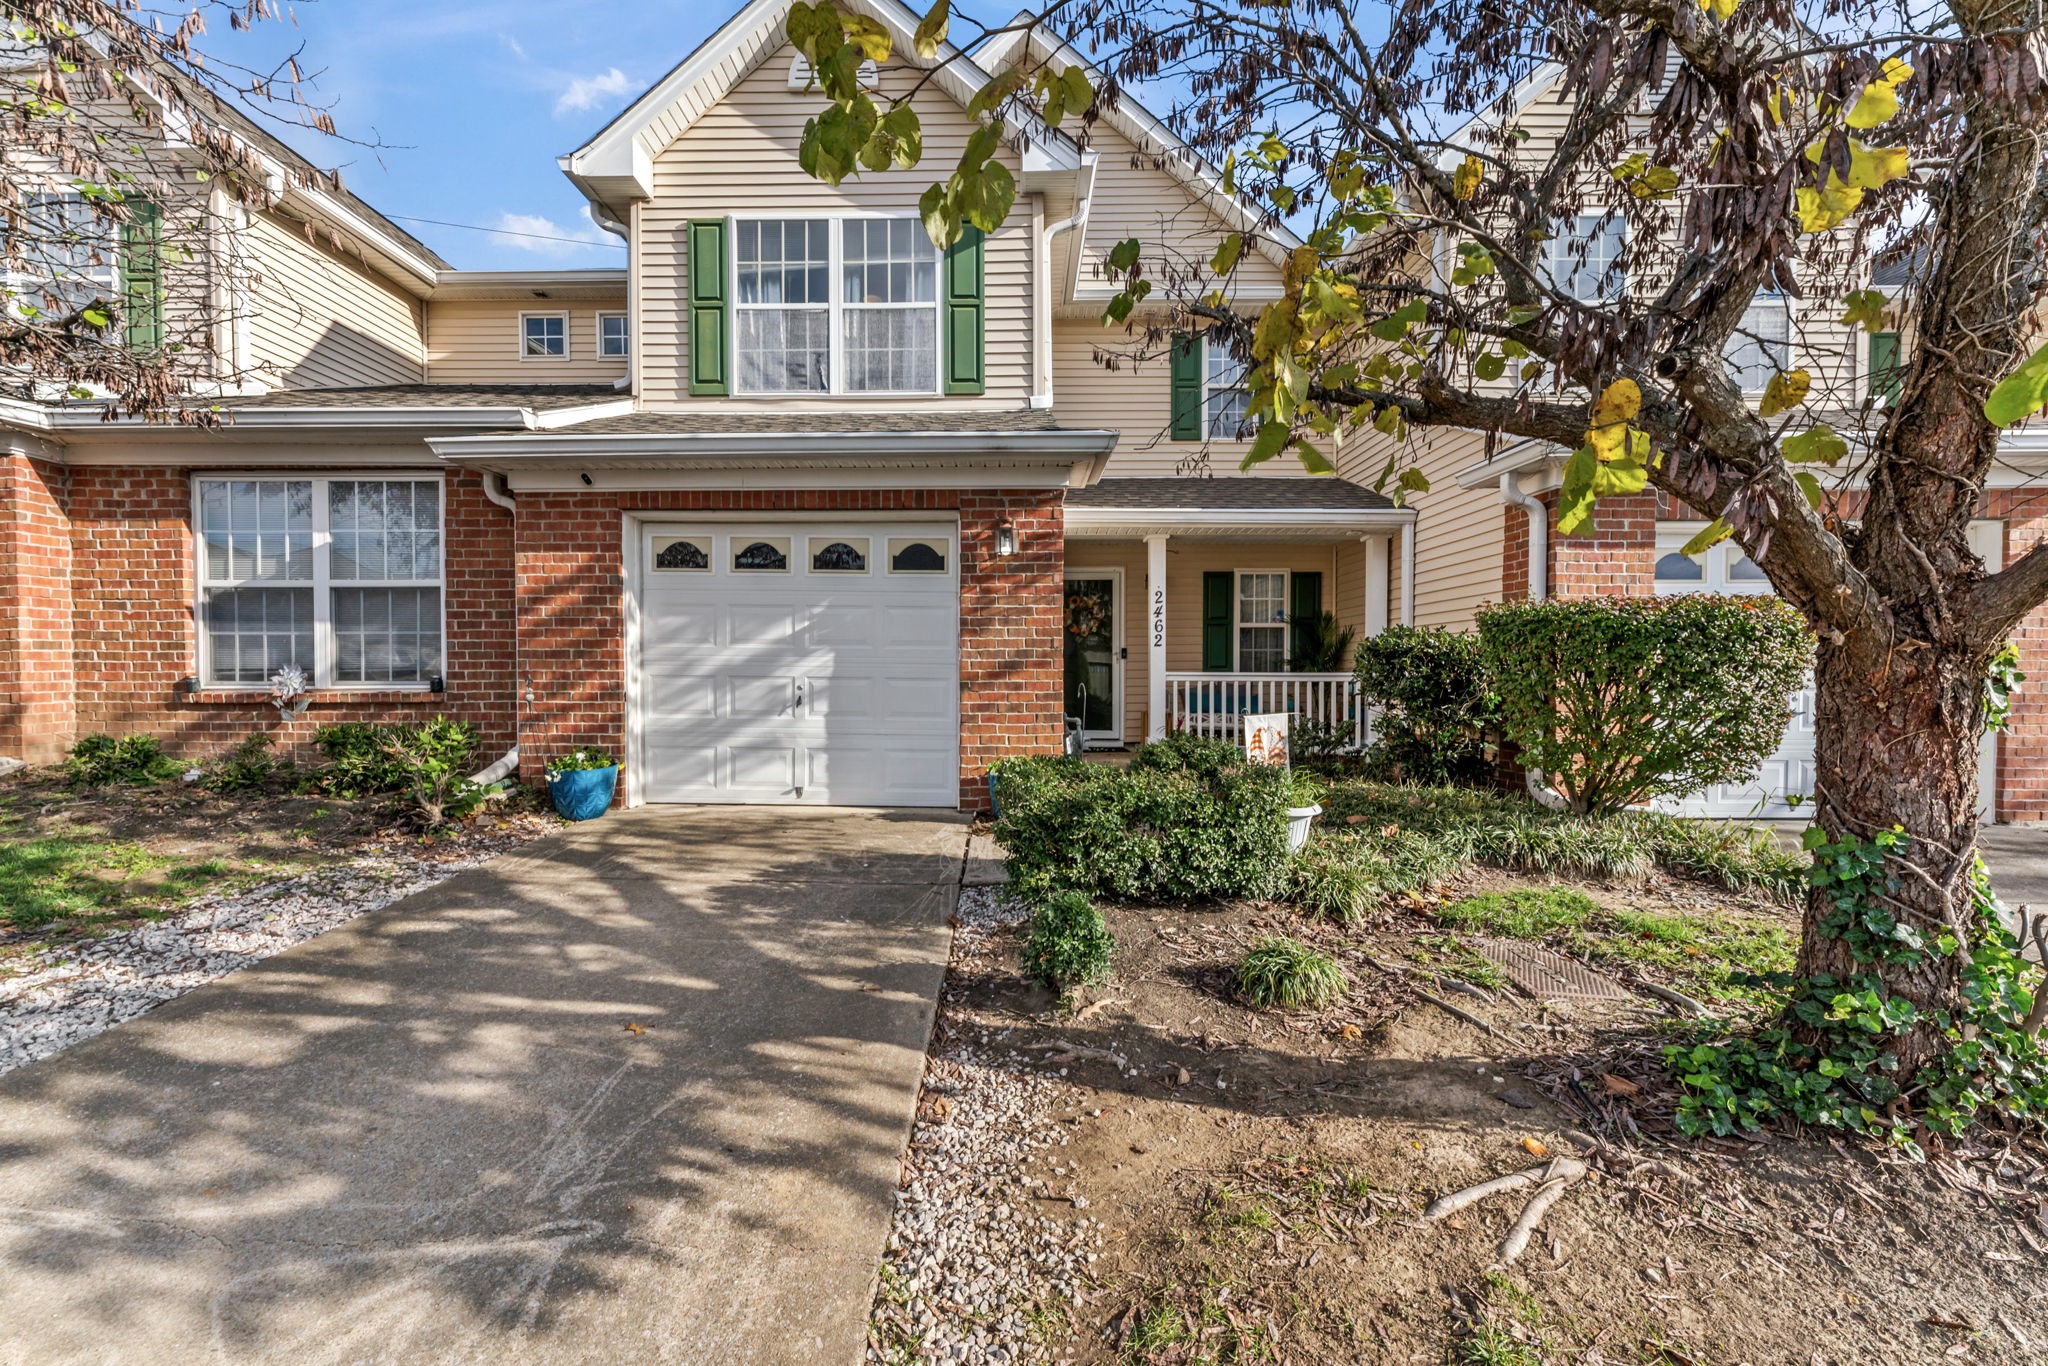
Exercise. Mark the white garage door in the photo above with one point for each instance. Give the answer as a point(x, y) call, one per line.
point(1783, 787)
point(807, 662)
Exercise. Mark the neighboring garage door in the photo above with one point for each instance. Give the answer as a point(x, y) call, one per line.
point(1783, 787)
point(813, 662)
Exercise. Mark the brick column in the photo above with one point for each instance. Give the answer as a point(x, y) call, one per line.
point(37, 685)
point(2023, 748)
point(1010, 619)
point(1617, 560)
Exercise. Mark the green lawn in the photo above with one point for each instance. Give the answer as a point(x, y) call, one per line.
point(78, 874)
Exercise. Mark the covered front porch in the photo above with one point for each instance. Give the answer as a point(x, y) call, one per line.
point(1193, 602)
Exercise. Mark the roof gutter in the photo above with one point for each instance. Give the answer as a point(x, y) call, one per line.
point(541, 446)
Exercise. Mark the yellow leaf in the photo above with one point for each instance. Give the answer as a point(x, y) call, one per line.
point(1535, 1147)
point(1872, 168)
point(1723, 10)
point(1785, 392)
point(1879, 102)
point(1619, 402)
point(1465, 183)
point(1820, 210)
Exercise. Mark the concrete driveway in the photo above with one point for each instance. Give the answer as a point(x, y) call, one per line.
point(428, 1136)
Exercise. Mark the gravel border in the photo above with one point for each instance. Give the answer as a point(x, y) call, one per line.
point(971, 1259)
point(68, 992)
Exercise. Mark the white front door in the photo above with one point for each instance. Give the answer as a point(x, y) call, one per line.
point(814, 662)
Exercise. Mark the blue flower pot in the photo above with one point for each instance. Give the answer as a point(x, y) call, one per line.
point(584, 794)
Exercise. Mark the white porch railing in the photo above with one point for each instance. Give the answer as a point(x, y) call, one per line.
point(1215, 704)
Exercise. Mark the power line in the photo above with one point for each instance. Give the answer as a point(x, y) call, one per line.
point(507, 232)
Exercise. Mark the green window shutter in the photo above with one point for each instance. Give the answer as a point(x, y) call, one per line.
point(1218, 620)
point(142, 277)
point(709, 245)
point(966, 334)
point(1304, 607)
point(1884, 365)
point(1187, 387)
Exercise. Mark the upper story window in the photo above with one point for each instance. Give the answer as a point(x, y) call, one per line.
point(614, 337)
point(1583, 258)
point(1761, 345)
point(1224, 397)
point(60, 256)
point(845, 306)
point(544, 336)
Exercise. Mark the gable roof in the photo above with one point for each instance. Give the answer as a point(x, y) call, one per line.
point(617, 165)
point(1026, 33)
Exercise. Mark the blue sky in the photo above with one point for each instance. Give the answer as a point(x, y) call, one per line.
point(472, 103)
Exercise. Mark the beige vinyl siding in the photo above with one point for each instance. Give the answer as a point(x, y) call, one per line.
point(1097, 383)
point(1457, 530)
point(324, 319)
point(740, 157)
point(1138, 195)
point(478, 341)
point(1187, 559)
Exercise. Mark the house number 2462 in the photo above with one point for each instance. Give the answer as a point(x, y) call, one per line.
point(1159, 618)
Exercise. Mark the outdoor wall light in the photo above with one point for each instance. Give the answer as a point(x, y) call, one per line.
point(1006, 539)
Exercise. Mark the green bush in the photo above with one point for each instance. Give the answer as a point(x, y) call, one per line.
point(250, 766)
point(1178, 825)
point(1619, 700)
point(366, 759)
point(97, 760)
point(1329, 885)
point(1185, 752)
point(1437, 711)
point(1068, 943)
point(1287, 973)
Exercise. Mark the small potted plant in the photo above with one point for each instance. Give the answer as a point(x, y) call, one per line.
point(1304, 797)
point(581, 783)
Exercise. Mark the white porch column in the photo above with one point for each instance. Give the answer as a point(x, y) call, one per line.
point(1377, 550)
point(1155, 637)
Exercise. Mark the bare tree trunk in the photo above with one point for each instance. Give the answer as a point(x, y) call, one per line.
point(1896, 738)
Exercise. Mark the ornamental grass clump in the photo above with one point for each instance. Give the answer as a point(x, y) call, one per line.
point(1068, 944)
point(137, 760)
point(1621, 700)
point(1287, 974)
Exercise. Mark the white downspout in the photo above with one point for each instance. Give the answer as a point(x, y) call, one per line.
point(1041, 284)
point(1539, 588)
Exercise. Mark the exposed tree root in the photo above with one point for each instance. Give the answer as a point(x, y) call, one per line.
point(1551, 1181)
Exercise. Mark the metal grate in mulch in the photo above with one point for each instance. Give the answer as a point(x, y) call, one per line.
point(1550, 976)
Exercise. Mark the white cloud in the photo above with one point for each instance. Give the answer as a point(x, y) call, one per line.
point(588, 92)
point(545, 237)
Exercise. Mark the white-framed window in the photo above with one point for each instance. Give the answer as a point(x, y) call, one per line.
point(1261, 621)
point(59, 257)
point(1721, 568)
point(1761, 345)
point(1583, 255)
point(341, 577)
point(544, 336)
point(846, 305)
point(614, 336)
point(1225, 400)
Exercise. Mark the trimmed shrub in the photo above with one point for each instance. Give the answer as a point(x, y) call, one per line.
point(1185, 752)
point(1068, 943)
point(1438, 716)
point(1153, 832)
point(1287, 973)
point(1619, 700)
point(97, 760)
point(365, 759)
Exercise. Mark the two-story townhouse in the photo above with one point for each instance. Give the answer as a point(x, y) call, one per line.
point(793, 508)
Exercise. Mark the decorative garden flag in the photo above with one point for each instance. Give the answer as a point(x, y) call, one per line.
point(1265, 738)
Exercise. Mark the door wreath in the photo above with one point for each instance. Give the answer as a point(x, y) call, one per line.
point(1086, 613)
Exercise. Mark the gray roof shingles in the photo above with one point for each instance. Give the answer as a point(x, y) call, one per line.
point(1248, 493)
point(539, 397)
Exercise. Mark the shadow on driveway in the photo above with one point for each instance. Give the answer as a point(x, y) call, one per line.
point(429, 1135)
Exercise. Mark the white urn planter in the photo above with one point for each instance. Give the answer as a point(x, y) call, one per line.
point(1299, 819)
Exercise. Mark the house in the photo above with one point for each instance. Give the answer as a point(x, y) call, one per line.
point(792, 508)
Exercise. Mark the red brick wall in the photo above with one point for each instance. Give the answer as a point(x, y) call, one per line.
point(1618, 559)
point(136, 638)
point(572, 657)
point(1514, 549)
point(2023, 748)
point(36, 689)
